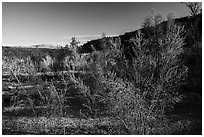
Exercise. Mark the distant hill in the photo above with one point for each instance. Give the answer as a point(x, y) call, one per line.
point(98, 44)
point(47, 46)
point(184, 21)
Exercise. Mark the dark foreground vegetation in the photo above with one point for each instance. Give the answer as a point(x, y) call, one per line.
point(145, 82)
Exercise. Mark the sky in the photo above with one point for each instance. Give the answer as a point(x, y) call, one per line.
point(24, 24)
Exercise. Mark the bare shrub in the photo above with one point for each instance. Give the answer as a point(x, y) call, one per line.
point(142, 90)
point(76, 63)
point(29, 87)
point(47, 63)
point(16, 68)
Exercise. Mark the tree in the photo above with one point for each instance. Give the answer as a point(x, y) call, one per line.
point(74, 44)
point(103, 35)
point(194, 7)
point(66, 46)
point(152, 19)
point(73, 60)
point(158, 18)
point(170, 16)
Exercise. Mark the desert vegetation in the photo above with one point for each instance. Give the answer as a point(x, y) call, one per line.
point(141, 86)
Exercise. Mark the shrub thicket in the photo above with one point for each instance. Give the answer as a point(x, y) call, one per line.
point(140, 91)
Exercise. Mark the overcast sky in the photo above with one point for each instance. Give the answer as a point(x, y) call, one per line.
point(30, 23)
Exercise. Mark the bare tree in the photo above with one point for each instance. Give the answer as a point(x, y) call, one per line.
point(153, 19)
point(194, 7)
point(170, 16)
